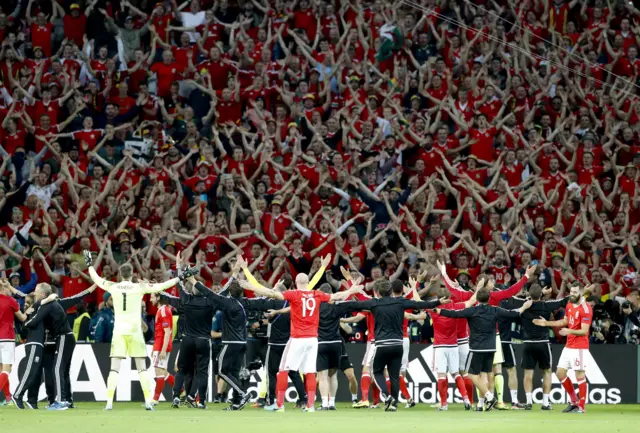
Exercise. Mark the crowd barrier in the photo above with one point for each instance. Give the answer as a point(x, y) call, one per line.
point(612, 373)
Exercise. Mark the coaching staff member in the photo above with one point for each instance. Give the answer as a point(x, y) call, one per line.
point(482, 319)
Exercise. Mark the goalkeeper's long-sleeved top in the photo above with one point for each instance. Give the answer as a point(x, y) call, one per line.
point(127, 301)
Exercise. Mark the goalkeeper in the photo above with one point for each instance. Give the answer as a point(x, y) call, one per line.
point(127, 331)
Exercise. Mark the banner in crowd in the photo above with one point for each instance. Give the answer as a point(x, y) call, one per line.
point(612, 374)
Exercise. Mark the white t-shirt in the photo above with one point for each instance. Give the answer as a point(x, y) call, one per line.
point(43, 193)
point(192, 20)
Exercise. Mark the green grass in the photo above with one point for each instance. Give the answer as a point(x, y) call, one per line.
point(131, 417)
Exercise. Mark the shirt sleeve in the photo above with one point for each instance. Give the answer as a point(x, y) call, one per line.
point(290, 295)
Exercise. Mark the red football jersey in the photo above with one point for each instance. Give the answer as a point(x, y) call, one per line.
point(371, 326)
point(8, 307)
point(305, 311)
point(445, 329)
point(164, 320)
point(577, 315)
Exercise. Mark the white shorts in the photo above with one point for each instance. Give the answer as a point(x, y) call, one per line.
point(405, 354)
point(573, 359)
point(463, 354)
point(7, 352)
point(498, 358)
point(300, 354)
point(367, 361)
point(446, 360)
point(157, 362)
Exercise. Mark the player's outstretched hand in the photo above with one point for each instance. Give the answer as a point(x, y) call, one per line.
point(441, 267)
point(530, 271)
point(564, 332)
point(445, 301)
point(326, 260)
point(547, 291)
point(88, 260)
point(540, 322)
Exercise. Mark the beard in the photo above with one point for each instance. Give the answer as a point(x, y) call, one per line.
point(574, 299)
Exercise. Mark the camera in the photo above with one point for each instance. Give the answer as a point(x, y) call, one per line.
point(627, 305)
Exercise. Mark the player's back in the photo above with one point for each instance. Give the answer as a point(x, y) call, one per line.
point(305, 311)
point(164, 320)
point(445, 329)
point(127, 307)
point(576, 316)
point(8, 307)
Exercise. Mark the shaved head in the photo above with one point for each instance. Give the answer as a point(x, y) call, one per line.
point(302, 282)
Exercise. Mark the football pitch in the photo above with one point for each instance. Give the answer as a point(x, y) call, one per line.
point(131, 417)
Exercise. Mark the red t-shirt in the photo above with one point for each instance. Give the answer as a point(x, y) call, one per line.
point(8, 307)
point(41, 37)
point(577, 315)
point(73, 286)
point(164, 320)
point(305, 311)
point(483, 146)
point(166, 74)
point(445, 329)
point(74, 28)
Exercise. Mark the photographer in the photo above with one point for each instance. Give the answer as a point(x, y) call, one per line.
point(607, 322)
point(631, 311)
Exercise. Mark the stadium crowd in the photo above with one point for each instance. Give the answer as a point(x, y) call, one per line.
point(488, 135)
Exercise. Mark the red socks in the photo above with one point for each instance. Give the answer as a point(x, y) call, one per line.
point(443, 388)
point(461, 387)
point(469, 386)
point(282, 380)
point(376, 395)
point(403, 388)
point(582, 391)
point(7, 391)
point(365, 383)
point(568, 386)
point(310, 386)
point(170, 380)
point(4, 385)
point(159, 388)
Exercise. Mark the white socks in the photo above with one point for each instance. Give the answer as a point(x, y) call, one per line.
point(545, 399)
point(514, 396)
point(529, 398)
point(488, 395)
point(481, 402)
point(332, 401)
point(325, 401)
point(354, 397)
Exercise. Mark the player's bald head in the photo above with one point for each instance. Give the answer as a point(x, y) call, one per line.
point(302, 281)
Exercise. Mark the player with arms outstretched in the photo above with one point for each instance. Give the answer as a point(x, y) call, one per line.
point(128, 340)
point(577, 318)
point(302, 349)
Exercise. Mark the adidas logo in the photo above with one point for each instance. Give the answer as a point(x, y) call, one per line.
point(424, 379)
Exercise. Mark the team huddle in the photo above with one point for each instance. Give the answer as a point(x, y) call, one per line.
point(471, 338)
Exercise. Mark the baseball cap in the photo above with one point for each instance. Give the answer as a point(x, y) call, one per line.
point(14, 274)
